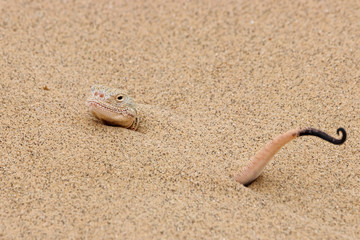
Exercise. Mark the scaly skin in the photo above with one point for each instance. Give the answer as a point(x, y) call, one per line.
point(113, 107)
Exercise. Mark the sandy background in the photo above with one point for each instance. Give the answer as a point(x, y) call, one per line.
point(214, 82)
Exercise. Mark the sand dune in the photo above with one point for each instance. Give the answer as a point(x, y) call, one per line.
point(214, 82)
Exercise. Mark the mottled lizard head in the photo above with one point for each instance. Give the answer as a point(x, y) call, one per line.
point(113, 107)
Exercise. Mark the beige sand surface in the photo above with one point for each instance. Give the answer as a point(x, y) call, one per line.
point(214, 82)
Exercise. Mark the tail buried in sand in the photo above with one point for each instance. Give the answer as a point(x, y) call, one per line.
point(257, 163)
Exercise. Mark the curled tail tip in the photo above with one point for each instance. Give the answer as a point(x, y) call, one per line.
point(324, 136)
point(340, 129)
point(343, 132)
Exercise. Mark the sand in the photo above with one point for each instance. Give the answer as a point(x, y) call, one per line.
point(214, 82)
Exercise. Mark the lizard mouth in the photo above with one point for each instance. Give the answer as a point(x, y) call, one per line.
point(96, 106)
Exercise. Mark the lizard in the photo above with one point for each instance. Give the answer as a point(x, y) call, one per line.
point(254, 167)
point(113, 106)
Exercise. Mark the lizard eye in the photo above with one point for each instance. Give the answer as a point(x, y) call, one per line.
point(120, 98)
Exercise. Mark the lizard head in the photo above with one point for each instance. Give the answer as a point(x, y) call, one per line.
point(113, 106)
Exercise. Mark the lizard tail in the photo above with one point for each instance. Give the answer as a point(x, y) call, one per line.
point(325, 136)
point(257, 163)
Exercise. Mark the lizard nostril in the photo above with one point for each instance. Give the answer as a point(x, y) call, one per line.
point(101, 95)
